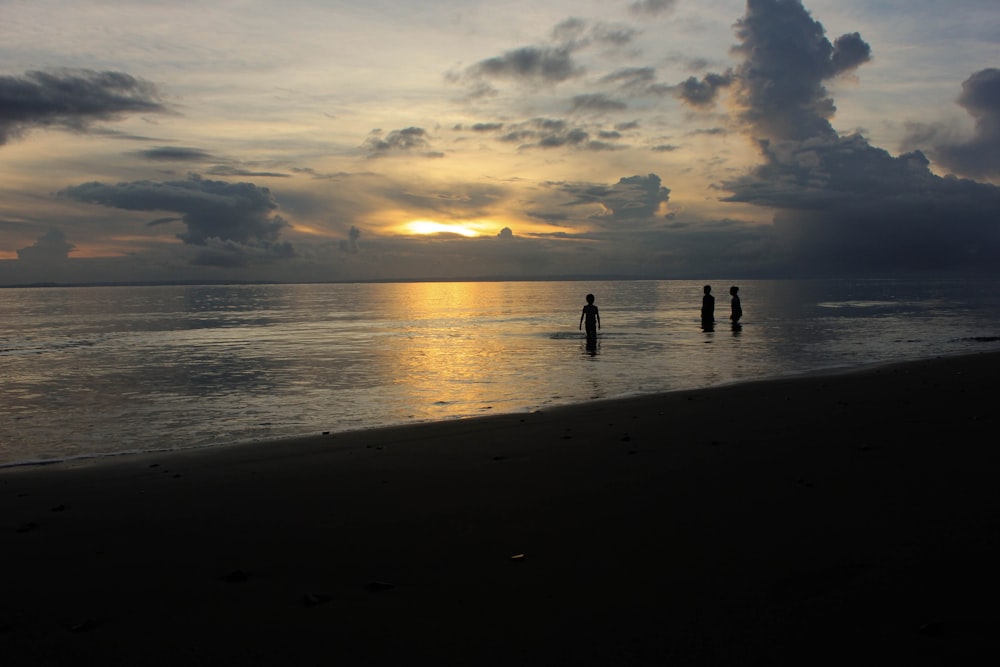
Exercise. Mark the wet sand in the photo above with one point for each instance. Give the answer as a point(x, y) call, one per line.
point(817, 520)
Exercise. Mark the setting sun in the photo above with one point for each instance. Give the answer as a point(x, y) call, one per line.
point(431, 227)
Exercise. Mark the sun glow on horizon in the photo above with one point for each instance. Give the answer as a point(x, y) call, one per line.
point(431, 227)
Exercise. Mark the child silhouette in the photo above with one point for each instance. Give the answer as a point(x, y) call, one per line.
point(592, 317)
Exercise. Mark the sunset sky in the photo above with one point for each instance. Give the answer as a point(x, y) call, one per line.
point(310, 140)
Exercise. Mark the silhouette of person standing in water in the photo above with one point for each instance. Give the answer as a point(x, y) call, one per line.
point(737, 309)
point(592, 317)
point(708, 309)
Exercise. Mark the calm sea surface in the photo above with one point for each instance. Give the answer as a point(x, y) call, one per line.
point(106, 370)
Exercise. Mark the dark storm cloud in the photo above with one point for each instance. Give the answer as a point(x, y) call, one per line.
point(979, 156)
point(410, 140)
point(222, 215)
point(849, 53)
point(52, 246)
point(632, 199)
point(703, 92)
point(845, 205)
point(787, 58)
point(842, 205)
point(232, 255)
point(71, 99)
point(163, 221)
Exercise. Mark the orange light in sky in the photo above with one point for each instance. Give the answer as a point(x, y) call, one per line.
point(309, 229)
point(431, 227)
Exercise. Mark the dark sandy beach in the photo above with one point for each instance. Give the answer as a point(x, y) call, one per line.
point(845, 518)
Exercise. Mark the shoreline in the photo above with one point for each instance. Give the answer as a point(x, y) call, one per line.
point(111, 456)
point(792, 520)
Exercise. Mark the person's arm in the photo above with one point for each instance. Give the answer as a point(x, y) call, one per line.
point(597, 314)
point(582, 315)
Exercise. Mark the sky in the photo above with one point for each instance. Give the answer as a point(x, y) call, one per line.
point(302, 141)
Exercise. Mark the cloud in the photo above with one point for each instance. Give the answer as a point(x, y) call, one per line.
point(350, 244)
point(486, 127)
point(787, 59)
point(231, 255)
point(223, 217)
point(845, 205)
point(841, 204)
point(652, 7)
point(703, 93)
point(187, 154)
point(542, 65)
point(569, 31)
point(641, 82)
point(615, 36)
point(52, 246)
point(175, 154)
point(71, 99)
point(405, 141)
point(631, 78)
point(240, 172)
point(548, 133)
point(529, 64)
point(633, 199)
point(596, 102)
point(980, 155)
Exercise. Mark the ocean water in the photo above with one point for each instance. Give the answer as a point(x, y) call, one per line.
point(94, 371)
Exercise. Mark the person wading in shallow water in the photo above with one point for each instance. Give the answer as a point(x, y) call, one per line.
point(708, 309)
point(592, 317)
point(737, 309)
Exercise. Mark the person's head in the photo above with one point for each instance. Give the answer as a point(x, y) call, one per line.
point(708, 289)
point(733, 290)
point(590, 298)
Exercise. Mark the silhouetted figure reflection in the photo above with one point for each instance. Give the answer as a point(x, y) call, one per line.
point(592, 317)
point(708, 309)
point(737, 308)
